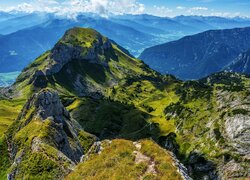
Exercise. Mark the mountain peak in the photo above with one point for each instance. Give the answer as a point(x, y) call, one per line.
point(85, 62)
point(84, 37)
point(77, 44)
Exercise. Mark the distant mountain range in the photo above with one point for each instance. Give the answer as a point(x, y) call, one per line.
point(14, 22)
point(26, 36)
point(200, 55)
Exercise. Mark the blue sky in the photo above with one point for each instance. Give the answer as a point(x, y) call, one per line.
point(156, 7)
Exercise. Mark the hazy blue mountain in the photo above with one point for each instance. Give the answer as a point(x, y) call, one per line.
point(5, 16)
point(16, 22)
point(241, 64)
point(19, 48)
point(164, 29)
point(197, 56)
point(165, 24)
point(212, 22)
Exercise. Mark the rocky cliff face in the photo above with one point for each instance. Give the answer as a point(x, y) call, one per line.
point(235, 129)
point(44, 130)
point(48, 105)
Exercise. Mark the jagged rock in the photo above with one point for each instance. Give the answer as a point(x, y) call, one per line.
point(238, 130)
point(61, 133)
point(48, 104)
point(233, 170)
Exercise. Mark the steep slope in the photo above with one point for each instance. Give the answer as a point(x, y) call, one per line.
point(197, 56)
point(212, 121)
point(241, 64)
point(4, 16)
point(43, 142)
point(112, 96)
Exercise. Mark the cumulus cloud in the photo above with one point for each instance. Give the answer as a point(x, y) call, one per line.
point(105, 8)
point(24, 7)
point(102, 7)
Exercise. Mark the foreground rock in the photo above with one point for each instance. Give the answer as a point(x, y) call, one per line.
point(44, 140)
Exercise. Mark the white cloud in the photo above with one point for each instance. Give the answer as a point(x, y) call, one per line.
point(161, 11)
point(180, 7)
point(102, 7)
point(25, 7)
point(71, 8)
point(50, 2)
point(225, 14)
point(198, 9)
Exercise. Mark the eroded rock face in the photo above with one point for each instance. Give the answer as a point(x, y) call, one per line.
point(236, 125)
point(59, 133)
point(238, 131)
point(235, 129)
point(48, 104)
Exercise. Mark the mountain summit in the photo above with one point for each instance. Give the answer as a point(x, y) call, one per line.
point(78, 44)
point(83, 62)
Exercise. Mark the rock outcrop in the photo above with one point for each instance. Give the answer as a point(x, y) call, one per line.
point(48, 104)
point(72, 47)
point(51, 133)
point(235, 129)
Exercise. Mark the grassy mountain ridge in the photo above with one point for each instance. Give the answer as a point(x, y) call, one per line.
point(105, 96)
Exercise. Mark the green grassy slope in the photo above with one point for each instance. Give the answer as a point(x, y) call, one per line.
point(122, 159)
